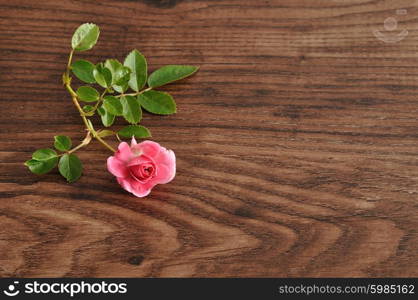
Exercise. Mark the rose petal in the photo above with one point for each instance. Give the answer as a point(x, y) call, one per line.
point(165, 174)
point(140, 160)
point(124, 152)
point(134, 187)
point(141, 189)
point(166, 157)
point(124, 182)
point(142, 193)
point(117, 167)
point(148, 148)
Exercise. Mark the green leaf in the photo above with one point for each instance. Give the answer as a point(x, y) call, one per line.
point(44, 154)
point(169, 74)
point(122, 76)
point(102, 75)
point(120, 73)
point(36, 166)
point(88, 110)
point(70, 167)
point(138, 65)
point(87, 94)
point(83, 70)
point(157, 102)
point(137, 131)
point(131, 109)
point(43, 161)
point(107, 117)
point(62, 142)
point(105, 133)
point(121, 88)
point(41, 167)
point(85, 37)
point(113, 105)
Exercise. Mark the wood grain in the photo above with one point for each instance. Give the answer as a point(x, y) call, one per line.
point(296, 142)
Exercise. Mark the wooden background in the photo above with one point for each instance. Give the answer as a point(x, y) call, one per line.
point(296, 142)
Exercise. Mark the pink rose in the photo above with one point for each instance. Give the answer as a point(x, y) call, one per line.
point(139, 167)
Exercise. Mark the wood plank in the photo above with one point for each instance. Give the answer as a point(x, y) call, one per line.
point(296, 142)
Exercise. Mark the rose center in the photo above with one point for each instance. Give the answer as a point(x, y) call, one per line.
point(143, 171)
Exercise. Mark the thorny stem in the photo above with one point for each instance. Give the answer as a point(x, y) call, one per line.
point(90, 129)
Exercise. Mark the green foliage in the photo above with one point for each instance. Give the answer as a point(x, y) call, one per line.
point(88, 110)
point(120, 75)
point(44, 154)
point(70, 167)
point(113, 105)
point(87, 94)
point(62, 142)
point(102, 75)
point(138, 65)
point(43, 161)
point(156, 102)
point(137, 131)
point(169, 74)
point(83, 70)
point(107, 117)
point(85, 37)
point(105, 133)
point(131, 109)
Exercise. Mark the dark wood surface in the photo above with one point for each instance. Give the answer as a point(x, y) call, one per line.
point(296, 142)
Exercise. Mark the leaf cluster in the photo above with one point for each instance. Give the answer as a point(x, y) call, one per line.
point(116, 78)
point(44, 160)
